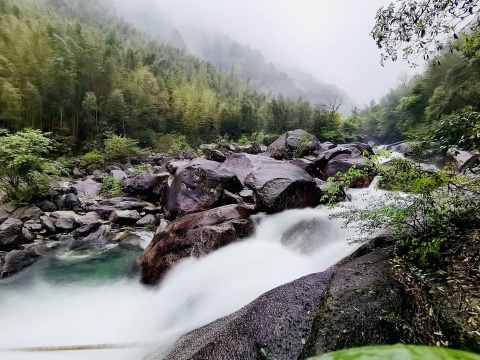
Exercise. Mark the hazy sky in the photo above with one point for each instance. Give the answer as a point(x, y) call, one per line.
point(329, 38)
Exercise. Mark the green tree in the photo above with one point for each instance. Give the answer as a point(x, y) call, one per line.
point(421, 28)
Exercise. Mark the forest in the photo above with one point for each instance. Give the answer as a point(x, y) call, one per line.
point(77, 71)
point(439, 105)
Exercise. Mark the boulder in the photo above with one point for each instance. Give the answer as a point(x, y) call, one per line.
point(148, 220)
point(47, 206)
point(27, 236)
point(462, 159)
point(243, 164)
point(77, 174)
point(325, 156)
point(211, 152)
point(33, 225)
point(297, 142)
point(104, 208)
point(87, 188)
point(124, 217)
point(10, 234)
point(17, 260)
point(86, 230)
point(146, 185)
point(358, 304)
point(29, 212)
point(174, 165)
point(88, 219)
point(65, 223)
point(308, 235)
point(48, 224)
point(306, 165)
point(118, 174)
point(72, 202)
point(247, 196)
point(282, 186)
point(198, 186)
point(344, 163)
point(193, 235)
point(253, 149)
point(97, 239)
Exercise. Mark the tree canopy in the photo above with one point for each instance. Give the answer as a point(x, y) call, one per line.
point(422, 28)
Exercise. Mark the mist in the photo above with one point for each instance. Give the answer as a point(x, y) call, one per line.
point(329, 39)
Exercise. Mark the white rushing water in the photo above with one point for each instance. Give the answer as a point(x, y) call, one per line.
point(194, 293)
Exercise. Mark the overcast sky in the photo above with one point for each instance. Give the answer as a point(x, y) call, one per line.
point(328, 38)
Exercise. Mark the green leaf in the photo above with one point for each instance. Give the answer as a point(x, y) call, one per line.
point(399, 352)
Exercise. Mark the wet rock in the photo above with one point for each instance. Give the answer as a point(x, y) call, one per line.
point(77, 174)
point(357, 304)
point(198, 186)
point(243, 164)
point(174, 165)
point(325, 156)
point(146, 185)
point(282, 186)
point(88, 219)
point(47, 206)
point(48, 224)
point(104, 208)
point(86, 230)
point(297, 142)
point(33, 225)
point(253, 149)
point(10, 234)
point(29, 212)
point(72, 202)
point(27, 236)
point(190, 154)
point(65, 223)
point(148, 220)
point(278, 322)
point(308, 166)
point(193, 235)
point(162, 225)
point(211, 152)
point(87, 188)
point(307, 235)
point(229, 198)
point(124, 217)
point(247, 195)
point(344, 163)
point(462, 159)
point(118, 174)
point(17, 260)
point(97, 239)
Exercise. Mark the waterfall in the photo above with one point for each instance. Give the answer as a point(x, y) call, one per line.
point(46, 313)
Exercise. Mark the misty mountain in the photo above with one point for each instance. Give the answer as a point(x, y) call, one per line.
point(229, 55)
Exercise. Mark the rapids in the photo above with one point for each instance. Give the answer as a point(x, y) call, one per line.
point(58, 303)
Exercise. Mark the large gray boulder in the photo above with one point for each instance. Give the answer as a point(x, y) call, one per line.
point(29, 212)
point(147, 186)
point(343, 163)
point(198, 186)
point(124, 217)
point(87, 188)
point(243, 164)
point(10, 234)
point(193, 235)
point(295, 143)
point(351, 306)
point(279, 187)
point(16, 260)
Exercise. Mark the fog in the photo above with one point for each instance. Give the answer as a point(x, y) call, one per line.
point(328, 38)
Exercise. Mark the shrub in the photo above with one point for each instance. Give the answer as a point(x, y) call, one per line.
point(93, 159)
point(172, 144)
point(243, 141)
point(122, 149)
point(24, 172)
point(111, 186)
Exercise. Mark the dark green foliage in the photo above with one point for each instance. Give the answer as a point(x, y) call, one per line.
point(111, 186)
point(93, 159)
point(24, 170)
point(74, 69)
point(122, 149)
